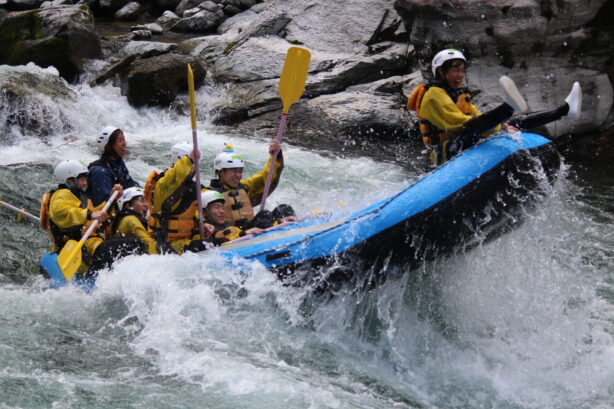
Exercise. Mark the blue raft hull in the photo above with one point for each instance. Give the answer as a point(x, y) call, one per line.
point(471, 198)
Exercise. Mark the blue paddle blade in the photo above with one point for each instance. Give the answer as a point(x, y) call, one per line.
point(49, 262)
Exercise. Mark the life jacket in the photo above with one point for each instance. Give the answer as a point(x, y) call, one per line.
point(168, 225)
point(225, 233)
point(431, 135)
point(238, 208)
point(124, 213)
point(59, 235)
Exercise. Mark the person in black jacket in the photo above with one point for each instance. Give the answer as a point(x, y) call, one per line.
point(110, 168)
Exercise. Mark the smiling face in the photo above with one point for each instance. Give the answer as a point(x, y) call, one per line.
point(454, 74)
point(215, 211)
point(231, 177)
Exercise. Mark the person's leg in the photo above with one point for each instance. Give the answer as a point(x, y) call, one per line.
point(470, 133)
point(532, 121)
point(113, 249)
point(571, 108)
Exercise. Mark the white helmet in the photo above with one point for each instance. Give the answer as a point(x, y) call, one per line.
point(69, 169)
point(128, 195)
point(104, 136)
point(446, 55)
point(210, 196)
point(228, 159)
point(180, 149)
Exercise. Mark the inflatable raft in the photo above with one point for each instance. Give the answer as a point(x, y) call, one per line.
point(475, 196)
point(470, 199)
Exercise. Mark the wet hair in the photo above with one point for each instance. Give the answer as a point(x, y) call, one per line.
point(108, 148)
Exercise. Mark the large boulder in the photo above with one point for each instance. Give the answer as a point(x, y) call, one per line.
point(25, 108)
point(357, 48)
point(158, 80)
point(62, 37)
point(201, 21)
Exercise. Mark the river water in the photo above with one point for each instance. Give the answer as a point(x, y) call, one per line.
point(524, 321)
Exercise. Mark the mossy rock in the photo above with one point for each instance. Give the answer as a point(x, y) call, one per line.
point(59, 36)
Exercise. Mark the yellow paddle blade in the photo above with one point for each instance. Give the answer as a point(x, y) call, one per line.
point(191, 91)
point(293, 76)
point(69, 258)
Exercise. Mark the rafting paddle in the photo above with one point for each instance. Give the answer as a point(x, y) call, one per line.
point(20, 211)
point(69, 258)
point(291, 87)
point(201, 225)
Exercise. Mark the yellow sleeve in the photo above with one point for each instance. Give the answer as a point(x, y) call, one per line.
point(131, 226)
point(255, 183)
point(65, 210)
point(438, 108)
point(171, 180)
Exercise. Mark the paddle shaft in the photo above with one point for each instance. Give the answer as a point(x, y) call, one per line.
point(201, 224)
point(22, 212)
point(95, 223)
point(269, 176)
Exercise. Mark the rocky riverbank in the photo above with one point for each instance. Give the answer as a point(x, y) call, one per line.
point(367, 55)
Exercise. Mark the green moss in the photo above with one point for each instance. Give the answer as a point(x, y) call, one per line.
point(230, 46)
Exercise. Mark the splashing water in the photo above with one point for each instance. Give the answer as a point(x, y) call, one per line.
point(522, 321)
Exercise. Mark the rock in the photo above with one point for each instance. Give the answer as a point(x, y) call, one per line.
point(132, 51)
point(158, 80)
point(186, 5)
point(167, 19)
point(141, 34)
point(373, 111)
point(130, 12)
point(55, 3)
point(202, 22)
point(146, 49)
point(60, 36)
point(236, 22)
point(154, 28)
point(209, 6)
point(24, 102)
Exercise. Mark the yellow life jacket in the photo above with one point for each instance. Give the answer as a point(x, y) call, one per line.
point(60, 236)
point(431, 135)
point(238, 208)
point(227, 234)
point(179, 223)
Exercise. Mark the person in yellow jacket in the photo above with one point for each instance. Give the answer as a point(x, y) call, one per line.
point(450, 123)
point(214, 213)
point(132, 218)
point(67, 210)
point(242, 195)
point(171, 196)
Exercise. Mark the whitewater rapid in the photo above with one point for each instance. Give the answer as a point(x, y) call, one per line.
point(523, 321)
